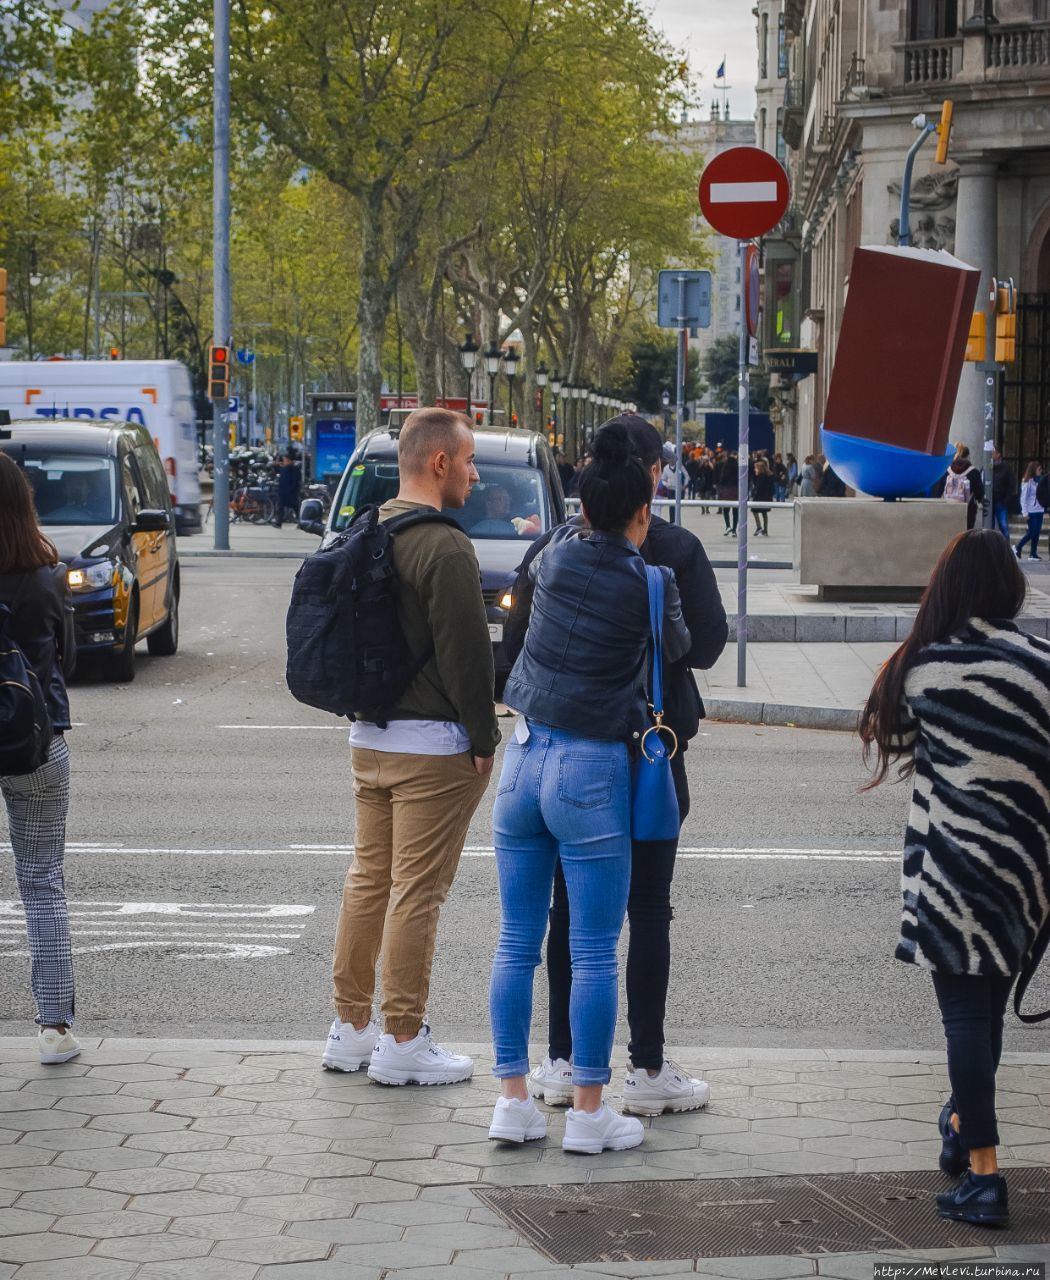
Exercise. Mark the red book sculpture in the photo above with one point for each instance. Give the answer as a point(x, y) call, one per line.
point(901, 347)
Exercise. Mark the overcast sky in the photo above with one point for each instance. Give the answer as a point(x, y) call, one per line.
point(707, 30)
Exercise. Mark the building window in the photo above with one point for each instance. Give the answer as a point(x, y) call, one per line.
point(782, 53)
point(784, 304)
point(1040, 10)
point(762, 128)
point(781, 148)
point(763, 48)
point(932, 19)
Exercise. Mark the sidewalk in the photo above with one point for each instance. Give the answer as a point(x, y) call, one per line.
point(188, 1160)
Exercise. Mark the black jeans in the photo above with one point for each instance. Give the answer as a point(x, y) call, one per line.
point(972, 1010)
point(648, 952)
point(731, 513)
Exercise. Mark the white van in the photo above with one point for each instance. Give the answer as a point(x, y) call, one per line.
point(156, 393)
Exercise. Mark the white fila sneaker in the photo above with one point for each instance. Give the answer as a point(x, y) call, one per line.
point(517, 1121)
point(672, 1090)
point(418, 1061)
point(552, 1081)
point(347, 1049)
point(591, 1132)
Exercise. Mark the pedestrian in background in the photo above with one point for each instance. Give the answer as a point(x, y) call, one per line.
point(419, 777)
point(654, 1084)
point(963, 705)
point(812, 476)
point(762, 489)
point(579, 684)
point(289, 482)
point(962, 482)
point(1032, 509)
point(39, 618)
point(780, 478)
point(1004, 493)
point(728, 480)
point(791, 463)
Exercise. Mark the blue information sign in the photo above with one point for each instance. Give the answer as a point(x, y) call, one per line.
point(684, 300)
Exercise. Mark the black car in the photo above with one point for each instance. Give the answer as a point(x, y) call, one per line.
point(519, 497)
point(102, 498)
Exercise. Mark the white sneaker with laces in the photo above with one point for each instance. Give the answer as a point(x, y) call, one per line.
point(672, 1090)
point(417, 1061)
point(517, 1121)
point(552, 1081)
point(56, 1046)
point(348, 1049)
point(591, 1132)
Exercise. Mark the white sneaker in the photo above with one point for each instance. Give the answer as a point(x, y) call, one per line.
point(56, 1046)
point(603, 1130)
point(552, 1081)
point(516, 1121)
point(347, 1049)
point(672, 1090)
point(418, 1061)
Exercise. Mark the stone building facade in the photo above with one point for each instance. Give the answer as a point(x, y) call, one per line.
point(859, 71)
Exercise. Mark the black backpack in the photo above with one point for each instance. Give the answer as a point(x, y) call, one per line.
point(347, 653)
point(1042, 492)
point(25, 726)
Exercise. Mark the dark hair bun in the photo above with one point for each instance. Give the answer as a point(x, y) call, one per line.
point(613, 445)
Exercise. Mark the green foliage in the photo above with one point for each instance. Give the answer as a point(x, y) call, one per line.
point(654, 367)
point(722, 371)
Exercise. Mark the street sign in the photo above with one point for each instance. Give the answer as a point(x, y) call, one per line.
point(793, 362)
point(683, 300)
point(245, 355)
point(233, 406)
point(744, 192)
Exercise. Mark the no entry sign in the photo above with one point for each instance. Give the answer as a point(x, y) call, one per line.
point(744, 192)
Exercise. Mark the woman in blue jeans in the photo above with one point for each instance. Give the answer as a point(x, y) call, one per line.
point(564, 793)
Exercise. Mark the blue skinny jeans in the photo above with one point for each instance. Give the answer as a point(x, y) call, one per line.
point(1035, 528)
point(561, 798)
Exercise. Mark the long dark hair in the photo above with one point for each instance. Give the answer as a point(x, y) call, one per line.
point(617, 483)
point(23, 548)
point(977, 576)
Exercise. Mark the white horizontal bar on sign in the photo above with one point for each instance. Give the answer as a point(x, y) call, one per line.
point(743, 192)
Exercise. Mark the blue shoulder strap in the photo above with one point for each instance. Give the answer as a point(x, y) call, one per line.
point(656, 624)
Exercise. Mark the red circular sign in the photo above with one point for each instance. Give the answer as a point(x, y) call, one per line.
point(744, 192)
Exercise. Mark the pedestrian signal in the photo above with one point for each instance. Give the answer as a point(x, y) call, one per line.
point(1004, 299)
point(479, 419)
point(3, 307)
point(218, 372)
point(944, 131)
point(295, 428)
point(976, 342)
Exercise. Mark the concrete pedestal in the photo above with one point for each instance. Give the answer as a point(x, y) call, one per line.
point(864, 549)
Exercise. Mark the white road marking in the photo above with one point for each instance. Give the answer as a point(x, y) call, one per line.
point(214, 930)
point(710, 853)
point(293, 727)
point(742, 192)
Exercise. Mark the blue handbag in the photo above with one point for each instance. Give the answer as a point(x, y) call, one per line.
point(654, 803)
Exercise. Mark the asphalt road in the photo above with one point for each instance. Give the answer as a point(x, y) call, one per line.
point(212, 824)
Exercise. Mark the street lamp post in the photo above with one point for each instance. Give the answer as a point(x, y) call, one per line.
point(665, 400)
point(556, 413)
point(510, 366)
point(468, 358)
point(541, 382)
point(492, 362)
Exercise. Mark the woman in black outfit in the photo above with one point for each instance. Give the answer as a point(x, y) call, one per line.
point(37, 616)
point(653, 1084)
point(762, 487)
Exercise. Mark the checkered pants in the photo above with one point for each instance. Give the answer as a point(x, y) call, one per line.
point(37, 804)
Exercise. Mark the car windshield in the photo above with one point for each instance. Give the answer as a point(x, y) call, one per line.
point(72, 488)
point(508, 502)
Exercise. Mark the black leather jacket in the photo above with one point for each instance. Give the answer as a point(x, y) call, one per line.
point(583, 666)
point(43, 626)
point(705, 615)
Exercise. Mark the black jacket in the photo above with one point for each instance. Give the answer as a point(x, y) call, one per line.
point(43, 627)
point(678, 549)
point(1004, 486)
point(584, 663)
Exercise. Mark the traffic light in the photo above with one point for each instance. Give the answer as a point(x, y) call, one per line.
point(295, 428)
point(114, 353)
point(944, 131)
point(3, 307)
point(218, 372)
point(1005, 300)
point(977, 340)
point(513, 419)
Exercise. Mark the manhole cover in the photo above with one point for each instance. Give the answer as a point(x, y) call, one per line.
point(723, 1217)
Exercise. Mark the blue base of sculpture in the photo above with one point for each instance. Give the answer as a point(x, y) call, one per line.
point(883, 470)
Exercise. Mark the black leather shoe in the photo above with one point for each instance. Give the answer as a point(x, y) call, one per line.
point(954, 1158)
point(983, 1203)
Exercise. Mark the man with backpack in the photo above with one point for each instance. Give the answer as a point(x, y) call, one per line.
point(420, 763)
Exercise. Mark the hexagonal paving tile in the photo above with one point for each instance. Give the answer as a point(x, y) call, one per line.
point(144, 1181)
point(349, 1130)
point(31, 1121)
point(159, 1090)
point(270, 1249)
point(12, 1157)
point(184, 1204)
point(19, 1222)
point(40, 1247)
point(222, 1161)
point(176, 1140)
point(241, 1126)
point(749, 1143)
point(355, 1230)
point(139, 1122)
point(223, 1226)
point(134, 1072)
point(321, 1165)
point(107, 1104)
point(91, 1268)
point(256, 1182)
point(198, 1269)
point(280, 1144)
point(71, 1200)
point(42, 1177)
point(68, 1139)
point(233, 1073)
point(424, 1173)
point(62, 1086)
point(363, 1190)
point(107, 1158)
point(197, 1108)
point(124, 1222)
point(296, 1208)
point(153, 1248)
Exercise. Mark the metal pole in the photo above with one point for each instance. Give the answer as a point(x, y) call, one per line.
point(991, 408)
point(678, 404)
point(221, 304)
point(904, 228)
point(743, 445)
point(98, 296)
point(253, 417)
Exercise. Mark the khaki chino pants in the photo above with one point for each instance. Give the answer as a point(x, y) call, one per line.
point(412, 816)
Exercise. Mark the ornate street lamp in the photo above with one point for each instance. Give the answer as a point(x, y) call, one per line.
point(468, 358)
point(541, 382)
point(510, 367)
point(493, 356)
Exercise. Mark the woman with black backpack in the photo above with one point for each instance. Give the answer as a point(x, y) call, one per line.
point(36, 642)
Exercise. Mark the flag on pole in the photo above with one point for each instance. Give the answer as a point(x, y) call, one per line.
point(720, 74)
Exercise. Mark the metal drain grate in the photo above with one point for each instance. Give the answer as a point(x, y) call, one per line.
point(723, 1217)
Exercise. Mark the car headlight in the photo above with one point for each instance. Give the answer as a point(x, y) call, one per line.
point(506, 600)
point(91, 576)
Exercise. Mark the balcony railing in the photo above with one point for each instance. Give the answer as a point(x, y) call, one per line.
point(794, 95)
point(854, 76)
point(1020, 46)
point(931, 61)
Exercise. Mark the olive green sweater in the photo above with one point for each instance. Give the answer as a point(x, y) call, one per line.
point(440, 603)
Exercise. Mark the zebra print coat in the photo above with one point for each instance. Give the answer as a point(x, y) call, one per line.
point(976, 875)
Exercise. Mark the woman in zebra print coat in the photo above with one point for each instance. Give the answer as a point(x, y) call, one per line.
point(964, 704)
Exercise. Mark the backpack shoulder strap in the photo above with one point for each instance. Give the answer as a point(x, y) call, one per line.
point(396, 524)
